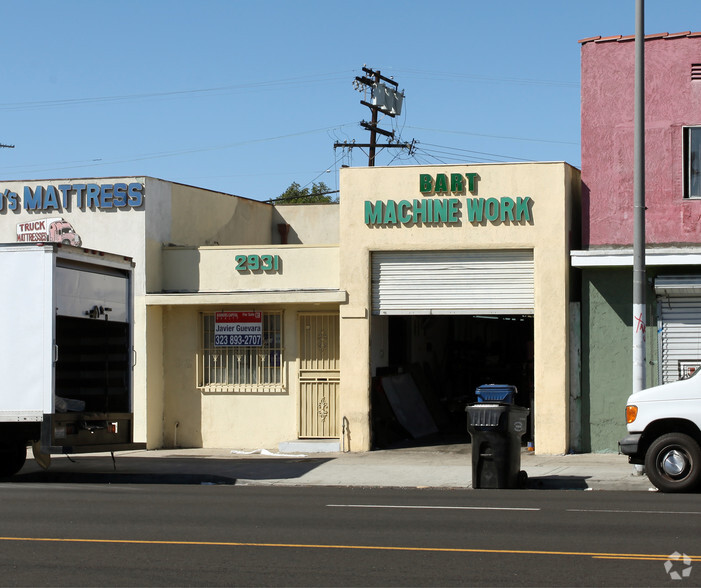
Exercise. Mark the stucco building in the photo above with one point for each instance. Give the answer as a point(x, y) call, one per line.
point(673, 222)
point(354, 325)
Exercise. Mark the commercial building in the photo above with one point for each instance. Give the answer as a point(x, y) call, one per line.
point(673, 222)
point(355, 324)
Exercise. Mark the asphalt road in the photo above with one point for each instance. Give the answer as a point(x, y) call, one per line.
point(65, 534)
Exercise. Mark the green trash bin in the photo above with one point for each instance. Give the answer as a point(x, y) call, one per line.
point(496, 431)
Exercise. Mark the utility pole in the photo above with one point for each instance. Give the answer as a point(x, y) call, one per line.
point(639, 281)
point(386, 99)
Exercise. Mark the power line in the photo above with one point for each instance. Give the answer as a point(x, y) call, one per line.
point(165, 154)
point(435, 75)
point(530, 139)
point(268, 84)
point(325, 171)
point(470, 152)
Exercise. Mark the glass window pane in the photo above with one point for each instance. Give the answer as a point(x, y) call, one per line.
point(694, 162)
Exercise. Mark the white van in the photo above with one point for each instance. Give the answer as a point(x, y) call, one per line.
point(664, 434)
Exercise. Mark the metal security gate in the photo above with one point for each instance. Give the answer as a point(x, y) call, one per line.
point(495, 282)
point(319, 375)
point(679, 326)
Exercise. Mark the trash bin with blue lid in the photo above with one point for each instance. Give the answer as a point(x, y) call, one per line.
point(496, 426)
point(500, 393)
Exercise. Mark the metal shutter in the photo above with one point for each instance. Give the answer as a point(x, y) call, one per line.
point(497, 282)
point(679, 325)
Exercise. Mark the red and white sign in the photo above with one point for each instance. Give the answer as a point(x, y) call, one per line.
point(238, 329)
point(46, 230)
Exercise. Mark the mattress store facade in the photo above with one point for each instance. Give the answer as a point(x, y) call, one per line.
point(359, 324)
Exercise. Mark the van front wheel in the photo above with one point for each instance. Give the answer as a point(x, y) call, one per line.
point(673, 463)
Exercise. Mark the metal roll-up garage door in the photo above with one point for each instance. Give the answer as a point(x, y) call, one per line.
point(679, 325)
point(496, 282)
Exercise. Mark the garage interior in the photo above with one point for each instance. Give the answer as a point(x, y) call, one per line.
point(434, 365)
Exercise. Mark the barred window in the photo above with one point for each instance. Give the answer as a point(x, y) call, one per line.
point(243, 368)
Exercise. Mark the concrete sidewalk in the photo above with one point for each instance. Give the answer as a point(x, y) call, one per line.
point(419, 467)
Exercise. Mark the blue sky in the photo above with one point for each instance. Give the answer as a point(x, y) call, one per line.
point(248, 97)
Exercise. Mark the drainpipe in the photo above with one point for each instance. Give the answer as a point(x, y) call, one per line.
point(284, 230)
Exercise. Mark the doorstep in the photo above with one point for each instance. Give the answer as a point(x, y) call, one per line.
point(310, 446)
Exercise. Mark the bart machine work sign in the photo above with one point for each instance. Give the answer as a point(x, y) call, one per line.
point(238, 329)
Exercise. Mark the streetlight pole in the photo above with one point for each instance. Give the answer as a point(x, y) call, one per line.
point(639, 312)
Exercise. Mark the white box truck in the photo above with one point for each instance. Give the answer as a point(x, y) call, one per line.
point(664, 434)
point(66, 352)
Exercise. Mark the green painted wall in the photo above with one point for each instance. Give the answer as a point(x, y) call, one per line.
point(607, 355)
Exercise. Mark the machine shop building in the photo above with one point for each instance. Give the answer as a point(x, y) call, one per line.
point(351, 326)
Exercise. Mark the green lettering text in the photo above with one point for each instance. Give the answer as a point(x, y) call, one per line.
point(475, 209)
point(471, 181)
point(425, 183)
point(373, 212)
point(453, 210)
point(419, 211)
point(491, 207)
point(390, 212)
point(440, 211)
point(523, 209)
point(404, 211)
point(441, 183)
point(507, 209)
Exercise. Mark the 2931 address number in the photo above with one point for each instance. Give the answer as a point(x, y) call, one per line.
point(254, 263)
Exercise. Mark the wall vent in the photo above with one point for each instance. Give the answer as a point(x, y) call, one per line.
point(696, 72)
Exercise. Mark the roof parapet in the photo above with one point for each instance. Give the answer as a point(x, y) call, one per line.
point(620, 38)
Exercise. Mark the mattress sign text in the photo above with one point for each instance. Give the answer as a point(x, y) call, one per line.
point(452, 208)
point(69, 196)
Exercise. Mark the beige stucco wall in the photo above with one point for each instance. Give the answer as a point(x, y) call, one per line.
point(213, 269)
point(313, 224)
point(204, 279)
point(194, 417)
point(187, 216)
point(551, 186)
point(203, 217)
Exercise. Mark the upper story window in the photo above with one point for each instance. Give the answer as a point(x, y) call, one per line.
point(692, 162)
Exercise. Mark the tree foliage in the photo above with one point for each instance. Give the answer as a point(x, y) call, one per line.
point(295, 194)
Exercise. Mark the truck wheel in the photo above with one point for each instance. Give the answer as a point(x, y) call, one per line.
point(673, 463)
point(12, 459)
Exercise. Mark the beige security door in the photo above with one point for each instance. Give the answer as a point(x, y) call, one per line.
point(319, 375)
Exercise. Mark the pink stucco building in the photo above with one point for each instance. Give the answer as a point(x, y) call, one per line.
point(672, 139)
point(673, 225)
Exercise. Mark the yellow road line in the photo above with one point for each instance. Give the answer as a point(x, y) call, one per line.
point(595, 555)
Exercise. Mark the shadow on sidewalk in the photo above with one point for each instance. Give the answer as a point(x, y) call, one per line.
point(168, 470)
point(558, 483)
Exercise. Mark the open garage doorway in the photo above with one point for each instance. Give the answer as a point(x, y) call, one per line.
point(431, 367)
